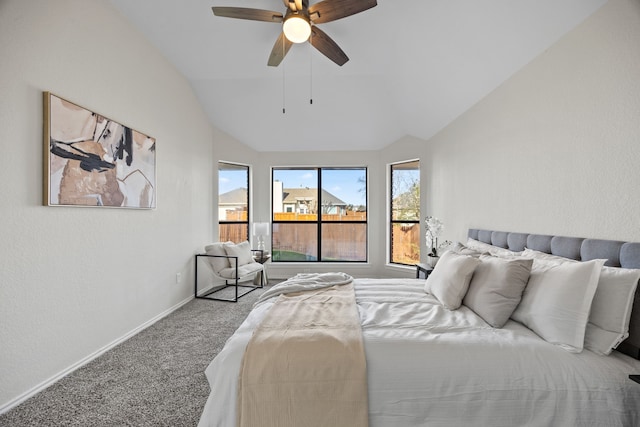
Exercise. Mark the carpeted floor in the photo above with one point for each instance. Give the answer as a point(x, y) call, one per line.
point(155, 378)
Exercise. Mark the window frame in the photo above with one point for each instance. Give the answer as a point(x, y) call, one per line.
point(246, 222)
point(392, 221)
point(318, 221)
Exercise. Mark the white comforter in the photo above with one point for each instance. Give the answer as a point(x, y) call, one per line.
point(428, 366)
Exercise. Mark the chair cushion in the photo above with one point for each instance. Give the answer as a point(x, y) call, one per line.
point(241, 250)
point(243, 270)
point(217, 263)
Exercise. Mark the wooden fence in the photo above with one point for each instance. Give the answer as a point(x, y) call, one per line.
point(339, 241)
point(234, 215)
point(405, 245)
point(293, 216)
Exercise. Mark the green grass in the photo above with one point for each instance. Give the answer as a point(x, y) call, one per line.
point(284, 256)
point(290, 256)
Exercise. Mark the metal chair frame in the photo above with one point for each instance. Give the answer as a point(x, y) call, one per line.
point(228, 282)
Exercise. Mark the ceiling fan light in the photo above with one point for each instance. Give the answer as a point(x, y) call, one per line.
point(296, 28)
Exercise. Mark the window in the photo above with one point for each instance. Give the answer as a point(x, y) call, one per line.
point(233, 202)
point(405, 213)
point(329, 225)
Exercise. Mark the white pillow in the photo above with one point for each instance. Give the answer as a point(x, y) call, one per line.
point(450, 279)
point(533, 254)
point(459, 248)
point(608, 322)
point(496, 288)
point(218, 263)
point(556, 302)
point(241, 250)
point(611, 309)
point(493, 250)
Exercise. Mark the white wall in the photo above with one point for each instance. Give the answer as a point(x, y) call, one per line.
point(74, 280)
point(553, 150)
point(556, 148)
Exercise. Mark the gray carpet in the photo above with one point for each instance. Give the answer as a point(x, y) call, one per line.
point(155, 378)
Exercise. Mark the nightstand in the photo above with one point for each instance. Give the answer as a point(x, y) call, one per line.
point(424, 269)
point(261, 257)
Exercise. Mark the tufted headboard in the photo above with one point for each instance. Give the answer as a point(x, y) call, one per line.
point(617, 254)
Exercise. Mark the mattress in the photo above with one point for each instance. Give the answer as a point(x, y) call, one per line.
point(428, 366)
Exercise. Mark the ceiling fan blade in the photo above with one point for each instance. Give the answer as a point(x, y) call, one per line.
point(330, 10)
point(248, 13)
point(280, 49)
point(321, 41)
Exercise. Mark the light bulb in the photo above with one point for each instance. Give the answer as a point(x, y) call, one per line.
point(297, 29)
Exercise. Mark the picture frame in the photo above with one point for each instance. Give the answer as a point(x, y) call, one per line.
point(91, 160)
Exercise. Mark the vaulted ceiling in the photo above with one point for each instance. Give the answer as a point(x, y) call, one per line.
point(415, 65)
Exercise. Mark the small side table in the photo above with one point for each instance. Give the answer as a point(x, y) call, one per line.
point(262, 258)
point(424, 269)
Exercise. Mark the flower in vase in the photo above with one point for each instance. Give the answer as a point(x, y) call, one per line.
point(434, 227)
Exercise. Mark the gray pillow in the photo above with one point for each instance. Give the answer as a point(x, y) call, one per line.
point(496, 288)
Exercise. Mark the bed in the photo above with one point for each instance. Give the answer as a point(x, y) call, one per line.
point(429, 365)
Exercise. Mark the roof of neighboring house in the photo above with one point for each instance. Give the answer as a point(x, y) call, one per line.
point(233, 197)
point(292, 195)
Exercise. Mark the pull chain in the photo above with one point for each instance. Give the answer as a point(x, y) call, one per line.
point(283, 80)
point(310, 70)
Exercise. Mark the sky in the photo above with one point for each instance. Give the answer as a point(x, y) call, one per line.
point(342, 183)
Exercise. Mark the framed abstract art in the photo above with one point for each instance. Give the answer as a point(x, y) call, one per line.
point(91, 160)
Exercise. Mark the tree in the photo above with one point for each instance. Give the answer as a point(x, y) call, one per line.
point(406, 195)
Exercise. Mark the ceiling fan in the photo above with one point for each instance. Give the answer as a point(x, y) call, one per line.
point(299, 24)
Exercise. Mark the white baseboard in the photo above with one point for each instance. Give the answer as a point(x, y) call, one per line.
point(46, 383)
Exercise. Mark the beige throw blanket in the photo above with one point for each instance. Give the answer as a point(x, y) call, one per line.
point(305, 364)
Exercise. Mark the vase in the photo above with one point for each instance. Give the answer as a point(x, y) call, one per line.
point(432, 260)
